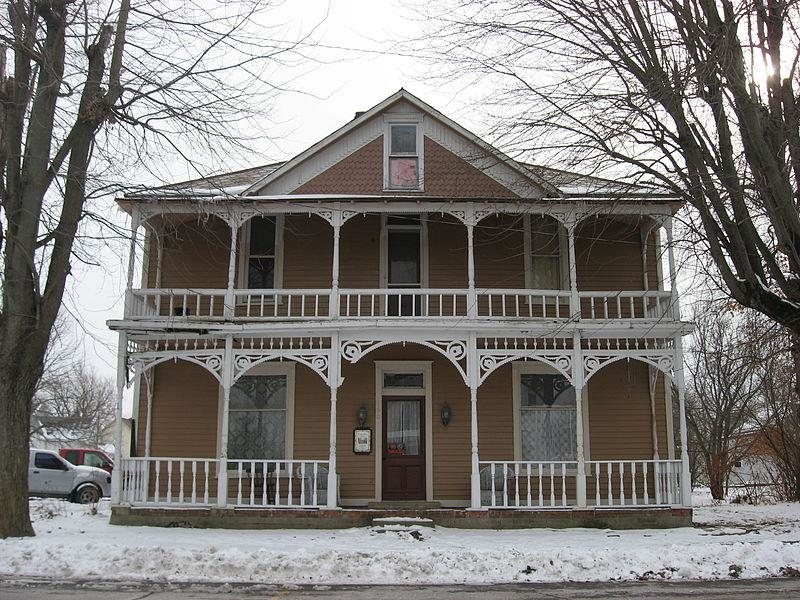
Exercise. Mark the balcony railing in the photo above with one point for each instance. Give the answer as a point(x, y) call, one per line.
point(420, 303)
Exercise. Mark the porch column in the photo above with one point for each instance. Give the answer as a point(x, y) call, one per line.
point(578, 383)
point(686, 485)
point(574, 299)
point(472, 372)
point(230, 299)
point(334, 364)
point(148, 375)
point(135, 219)
point(673, 275)
point(116, 474)
point(472, 297)
point(222, 462)
point(333, 303)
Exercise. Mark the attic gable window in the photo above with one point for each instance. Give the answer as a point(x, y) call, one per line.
point(403, 150)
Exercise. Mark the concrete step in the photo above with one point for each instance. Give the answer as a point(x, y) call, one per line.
point(404, 522)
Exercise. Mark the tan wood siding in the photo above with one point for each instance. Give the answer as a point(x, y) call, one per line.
point(307, 252)
point(359, 252)
point(608, 256)
point(499, 252)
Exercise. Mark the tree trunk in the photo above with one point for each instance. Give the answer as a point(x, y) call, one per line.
point(19, 372)
point(717, 476)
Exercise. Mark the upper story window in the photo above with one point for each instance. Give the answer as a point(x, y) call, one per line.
point(260, 253)
point(546, 255)
point(403, 164)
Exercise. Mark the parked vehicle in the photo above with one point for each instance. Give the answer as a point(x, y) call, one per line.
point(51, 475)
point(90, 457)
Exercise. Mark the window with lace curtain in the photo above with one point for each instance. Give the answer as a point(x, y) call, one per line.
point(545, 253)
point(257, 417)
point(547, 417)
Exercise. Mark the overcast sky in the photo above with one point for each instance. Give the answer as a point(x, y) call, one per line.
point(356, 70)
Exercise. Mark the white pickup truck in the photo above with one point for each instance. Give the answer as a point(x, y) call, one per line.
point(51, 475)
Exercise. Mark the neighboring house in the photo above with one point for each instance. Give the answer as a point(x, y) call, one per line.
point(754, 477)
point(402, 318)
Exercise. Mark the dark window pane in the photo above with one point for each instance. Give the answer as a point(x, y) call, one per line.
point(261, 273)
point(262, 236)
point(72, 456)
point(404, 139)
point(403, 173)
point(259, 391)
point(547, 390)
point(404, 258)
point(402, 380)
point(47, 461)
point(544, 236)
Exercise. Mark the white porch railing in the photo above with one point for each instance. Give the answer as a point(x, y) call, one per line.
point(299, 304)
point(634, 482)
point(527, 484)
point(168, 481)
point(278, 483)
point(251, 483)
point(627, 305)
point(405, 302)
point(177, 302)
point(281, 304)
point(553, 484)
point(524, 304)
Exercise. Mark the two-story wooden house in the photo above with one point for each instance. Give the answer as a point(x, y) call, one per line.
point(402, 319)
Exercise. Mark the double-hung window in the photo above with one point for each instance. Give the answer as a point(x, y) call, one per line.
point(404, 263)
point(545, 253)
point(258, 417)
point(403, 162)
point(261, 237)
point(547, 417)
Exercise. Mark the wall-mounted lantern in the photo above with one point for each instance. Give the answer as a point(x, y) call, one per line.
point(447, 414)
point(362, 416)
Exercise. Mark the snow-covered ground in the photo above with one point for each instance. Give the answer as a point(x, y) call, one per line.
point(727, 541)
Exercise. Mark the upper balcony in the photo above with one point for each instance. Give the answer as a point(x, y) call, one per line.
point(510, 266)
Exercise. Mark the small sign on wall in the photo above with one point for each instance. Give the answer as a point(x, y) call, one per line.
point(362, 440)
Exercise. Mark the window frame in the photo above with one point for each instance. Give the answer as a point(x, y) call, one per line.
point(563, 252)
point(520, 368)
point(403, 119)
point(286, 368)
point(243, 256)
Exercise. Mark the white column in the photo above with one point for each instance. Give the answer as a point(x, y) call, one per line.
point(473, 376)
point(334, 364)
point(574, 299)
point(131, 261)
point(472, 297)
point(686, 486)
point(578, 383)
point(222, 462)
point(116, 475)
point(148, 382)
point(230, 299)
point(333, 306)
point(673, 275)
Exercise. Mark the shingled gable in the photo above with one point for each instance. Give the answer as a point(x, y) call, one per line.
point(456, 162)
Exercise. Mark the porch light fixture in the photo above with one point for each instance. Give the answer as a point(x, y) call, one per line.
point(447, 414)
point(362, 416)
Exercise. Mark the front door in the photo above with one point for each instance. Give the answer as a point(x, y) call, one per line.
point(403, 448)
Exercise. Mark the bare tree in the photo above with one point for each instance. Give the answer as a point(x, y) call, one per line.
point(78, 406)
point(89, 90)
point(777, 411)
point(722, 393)
point(698, 97)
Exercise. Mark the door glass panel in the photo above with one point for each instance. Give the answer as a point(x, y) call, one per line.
point(402, 427)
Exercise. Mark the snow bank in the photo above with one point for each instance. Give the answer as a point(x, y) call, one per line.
point(72, 543)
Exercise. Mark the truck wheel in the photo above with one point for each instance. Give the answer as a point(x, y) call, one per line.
point(86, 494)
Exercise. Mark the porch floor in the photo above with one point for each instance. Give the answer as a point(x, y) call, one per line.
point(261, 518)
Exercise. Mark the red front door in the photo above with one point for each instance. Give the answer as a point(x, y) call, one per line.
point(403, 448)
